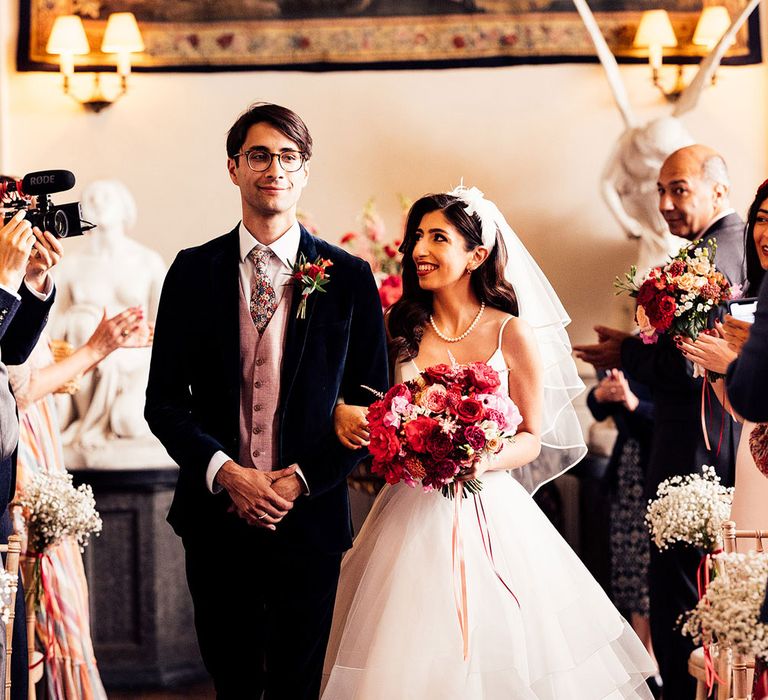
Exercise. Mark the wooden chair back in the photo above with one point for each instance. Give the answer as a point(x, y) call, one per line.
point(740, 664)
point(12, 552)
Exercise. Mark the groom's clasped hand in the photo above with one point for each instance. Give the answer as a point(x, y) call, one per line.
point(260, 498)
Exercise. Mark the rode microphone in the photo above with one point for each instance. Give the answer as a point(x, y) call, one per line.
point(45, 182)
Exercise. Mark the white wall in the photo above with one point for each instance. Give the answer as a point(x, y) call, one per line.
point(534, 138)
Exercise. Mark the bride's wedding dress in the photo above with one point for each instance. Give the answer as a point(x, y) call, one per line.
point(396, 632)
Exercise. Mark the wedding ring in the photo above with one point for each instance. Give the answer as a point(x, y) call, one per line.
point(124, 333)
point(262, 516)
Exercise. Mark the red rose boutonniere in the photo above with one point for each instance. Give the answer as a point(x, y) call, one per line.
point(309, 277)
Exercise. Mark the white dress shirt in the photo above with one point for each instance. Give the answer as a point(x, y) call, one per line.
point(285, 250)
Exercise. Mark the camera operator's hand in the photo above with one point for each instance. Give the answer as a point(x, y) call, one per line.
point(16, 240)
point(46, 252)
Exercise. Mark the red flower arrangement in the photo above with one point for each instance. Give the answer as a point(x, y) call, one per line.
point(677, 297)
point(427, 429)
point(310, 277)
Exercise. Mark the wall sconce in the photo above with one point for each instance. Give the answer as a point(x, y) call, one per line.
point(655, 33)
point(121, 37)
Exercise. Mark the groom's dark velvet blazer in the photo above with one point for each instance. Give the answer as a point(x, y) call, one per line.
point(194, 386)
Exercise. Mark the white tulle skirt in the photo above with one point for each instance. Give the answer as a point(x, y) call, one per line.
point(396, 632)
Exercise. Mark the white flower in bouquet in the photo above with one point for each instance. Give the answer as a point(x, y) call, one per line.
point(729, 611)
point(55, 509)
point(690, 509)
point(8, 585)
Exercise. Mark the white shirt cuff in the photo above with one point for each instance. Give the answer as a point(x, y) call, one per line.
point(42, 296)
point(216, 463)
point(300, 474)
point(10, 291)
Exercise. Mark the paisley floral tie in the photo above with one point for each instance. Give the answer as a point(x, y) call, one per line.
point(263, 299)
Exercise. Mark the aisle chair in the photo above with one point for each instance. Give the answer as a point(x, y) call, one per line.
point(12, 552)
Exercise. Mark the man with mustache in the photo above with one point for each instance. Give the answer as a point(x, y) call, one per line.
point(693, 190)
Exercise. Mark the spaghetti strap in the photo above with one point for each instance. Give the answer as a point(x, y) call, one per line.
point(501, 331)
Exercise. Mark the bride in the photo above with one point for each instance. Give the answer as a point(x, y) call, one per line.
point(514, 614)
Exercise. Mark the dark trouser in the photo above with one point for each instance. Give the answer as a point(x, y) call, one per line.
point(19, 663)
point(673, 592)
point(262, 614)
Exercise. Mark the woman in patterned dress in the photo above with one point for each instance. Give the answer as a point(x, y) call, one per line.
point(63, 625)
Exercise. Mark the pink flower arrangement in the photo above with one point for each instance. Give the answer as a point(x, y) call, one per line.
point(427, 429)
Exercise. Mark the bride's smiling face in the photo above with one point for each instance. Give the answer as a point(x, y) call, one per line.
point(440, 252)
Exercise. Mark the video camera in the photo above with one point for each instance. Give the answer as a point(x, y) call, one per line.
point(33, 195)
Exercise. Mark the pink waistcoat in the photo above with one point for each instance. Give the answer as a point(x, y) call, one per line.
point(261, 359)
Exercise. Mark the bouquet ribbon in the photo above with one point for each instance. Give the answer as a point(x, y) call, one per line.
point(460, 575)
point(702, 582)
point(48, 606)
point(706, 403)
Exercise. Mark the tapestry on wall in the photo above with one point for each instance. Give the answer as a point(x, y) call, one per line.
point(342, 34)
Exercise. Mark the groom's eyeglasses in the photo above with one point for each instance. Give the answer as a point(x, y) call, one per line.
point(259, 161)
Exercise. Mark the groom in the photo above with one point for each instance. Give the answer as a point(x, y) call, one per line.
point(241, 393)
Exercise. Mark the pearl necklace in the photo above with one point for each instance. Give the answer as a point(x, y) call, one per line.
point(472, 325)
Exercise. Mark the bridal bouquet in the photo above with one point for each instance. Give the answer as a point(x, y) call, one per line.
point(54, 509)
point(690, 509)
point(730, 608)
point(677, 297)
point(427, 429)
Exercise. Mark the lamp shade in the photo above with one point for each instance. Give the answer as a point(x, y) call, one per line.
point(122, 34)
point(655, 30)
point(713, 23)
point(68, 36)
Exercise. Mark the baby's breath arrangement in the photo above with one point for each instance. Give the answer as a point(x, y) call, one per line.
point(730, 608)
point(8, 586)
point(54, 509)
point(690, 509)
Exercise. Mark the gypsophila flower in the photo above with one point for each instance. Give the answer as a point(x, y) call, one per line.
point(690, 509)
point(54, 509)
point(729, 611)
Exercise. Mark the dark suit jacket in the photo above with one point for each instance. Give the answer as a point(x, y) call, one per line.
point(678, 443)
point(21, 322)
point(747, 378)
point(194, 386)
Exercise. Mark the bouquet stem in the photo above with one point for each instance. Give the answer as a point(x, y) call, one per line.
point(471, 488)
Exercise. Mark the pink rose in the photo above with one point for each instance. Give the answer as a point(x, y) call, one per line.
point(395, 391)
point(497, 417)
point(475, 437)
point(435, 398)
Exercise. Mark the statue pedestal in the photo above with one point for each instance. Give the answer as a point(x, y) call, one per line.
point(141, 611)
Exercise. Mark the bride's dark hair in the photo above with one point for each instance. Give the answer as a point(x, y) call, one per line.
point(408, 316)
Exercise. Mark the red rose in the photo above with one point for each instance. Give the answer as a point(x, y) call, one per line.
point(394, 392)
point(438, 473)
point(437, 372)
point(417, 431)
point(647, 293)
point(453, 397)
point(482, 376)
point(384, 444)
point(316, 271)
point(347, 237)
point(392, 471)
point(677, 268)
point(376, 412)
point(439, 444)
point(475, 437)
point(390, 291)
point(470, 411)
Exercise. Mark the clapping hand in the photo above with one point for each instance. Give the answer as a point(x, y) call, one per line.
point(614, 388)
point(709, 350)
point(351, 426)
point(606, 353)
point(117, 332)
point(735, 332)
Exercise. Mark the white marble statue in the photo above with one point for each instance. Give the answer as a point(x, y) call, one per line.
point(629, 179)
point(103, 423)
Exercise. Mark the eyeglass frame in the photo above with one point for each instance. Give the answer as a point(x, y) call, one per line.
point(272, 157)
